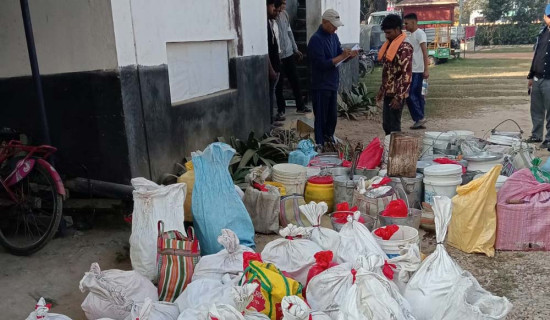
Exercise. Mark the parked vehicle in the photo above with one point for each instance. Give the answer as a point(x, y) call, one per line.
point(31, 197)
point(439, 49)
point(367, 61)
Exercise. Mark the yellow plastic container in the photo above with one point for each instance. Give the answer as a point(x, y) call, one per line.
point(319, 189)
point(282, 189)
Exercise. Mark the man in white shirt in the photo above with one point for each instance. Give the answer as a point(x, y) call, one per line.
point(415, 101)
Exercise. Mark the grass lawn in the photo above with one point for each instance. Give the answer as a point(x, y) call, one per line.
point(465, 84)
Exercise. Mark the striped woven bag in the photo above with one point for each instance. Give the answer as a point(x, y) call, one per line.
point(177, 256)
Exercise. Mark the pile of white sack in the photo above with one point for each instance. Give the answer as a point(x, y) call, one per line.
point(346, 274)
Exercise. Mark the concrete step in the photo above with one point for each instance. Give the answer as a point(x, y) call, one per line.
point(301, 13)
point(300, 24)
point(300, 35)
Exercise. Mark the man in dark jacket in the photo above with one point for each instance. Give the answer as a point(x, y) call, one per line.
point(274, 49)
point(325, 54)
point(539, 85)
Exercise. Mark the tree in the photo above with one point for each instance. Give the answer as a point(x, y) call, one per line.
point(496, 9)
point(370, 6)
point(522, 11)
point(527, 11)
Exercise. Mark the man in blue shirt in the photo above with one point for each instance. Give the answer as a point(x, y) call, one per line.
point(325, 53)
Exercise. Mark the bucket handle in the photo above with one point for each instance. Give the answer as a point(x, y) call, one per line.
point(405, 194)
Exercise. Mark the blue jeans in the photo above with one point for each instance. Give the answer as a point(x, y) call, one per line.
point(416, 101)
point(326, 113)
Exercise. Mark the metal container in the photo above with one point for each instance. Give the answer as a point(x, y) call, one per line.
point(484, 156)
point(413, 188)
point(369, 221)
point(368, 173)
point(343, 189)
point(338, 171)
point(412, 220)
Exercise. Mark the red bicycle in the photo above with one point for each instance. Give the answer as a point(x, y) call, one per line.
point(31, 197)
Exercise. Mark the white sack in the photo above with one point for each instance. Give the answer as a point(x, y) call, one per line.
point(373, 297)
point(200, 294)
point(294, 255)
point(468, 300)
point(227, 261)
point(407, 263)
point(326, 291)
point(149, 310)
point(41, 312)
point(356, 240)
point(429, 286)
point(239, 298)
point(112, 293)
point(295, 308)
point(327, 239)
point(151, 204)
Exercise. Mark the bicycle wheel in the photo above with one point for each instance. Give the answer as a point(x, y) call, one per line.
point(370, 66)
point(27, 226)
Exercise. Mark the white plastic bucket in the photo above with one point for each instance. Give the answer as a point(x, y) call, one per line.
point(292, 176)
point(443, 172)
point(435, 139)
point(483, 166)
point(434, 188)
point(404, 236)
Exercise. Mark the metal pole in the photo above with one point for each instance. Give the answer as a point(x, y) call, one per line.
point(460, 10)
point(35, 71)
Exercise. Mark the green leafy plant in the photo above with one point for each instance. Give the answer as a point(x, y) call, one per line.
point(356, 102)
point(253, 152)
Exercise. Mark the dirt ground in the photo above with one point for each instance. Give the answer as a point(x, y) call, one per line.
point(461, 100)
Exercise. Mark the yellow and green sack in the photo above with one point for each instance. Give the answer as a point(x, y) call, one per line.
point(273, 287)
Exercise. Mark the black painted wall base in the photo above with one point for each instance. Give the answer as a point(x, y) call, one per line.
point(85, 117)
point(115, 125)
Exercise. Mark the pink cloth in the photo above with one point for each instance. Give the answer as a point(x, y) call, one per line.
point(526, 226)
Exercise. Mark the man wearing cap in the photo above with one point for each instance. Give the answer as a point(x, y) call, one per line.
point(539, 85)
point(325, 53)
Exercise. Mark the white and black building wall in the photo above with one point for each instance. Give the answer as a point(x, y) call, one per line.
point(133, 86)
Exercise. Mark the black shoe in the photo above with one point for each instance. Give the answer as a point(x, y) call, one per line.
point(533, 139)
point(545, 145)
point(277, 124)
point(303, 110)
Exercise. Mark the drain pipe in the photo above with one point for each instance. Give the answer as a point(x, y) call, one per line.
point(35, 71)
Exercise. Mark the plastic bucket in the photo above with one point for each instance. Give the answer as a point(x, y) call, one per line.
point(443, 172)
point(412, 187)
point(412, 220)
point(320, 189)
point(404, 236)
point(434, 188)
point(343, 189)
point(292, 176)
point(438, 140)
point(483, 166)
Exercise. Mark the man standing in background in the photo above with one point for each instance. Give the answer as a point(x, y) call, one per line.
point(274, 50)
point(325, 54)
point(539, 85)
point(420, 70)
point(396, 57)
point(289, 52)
